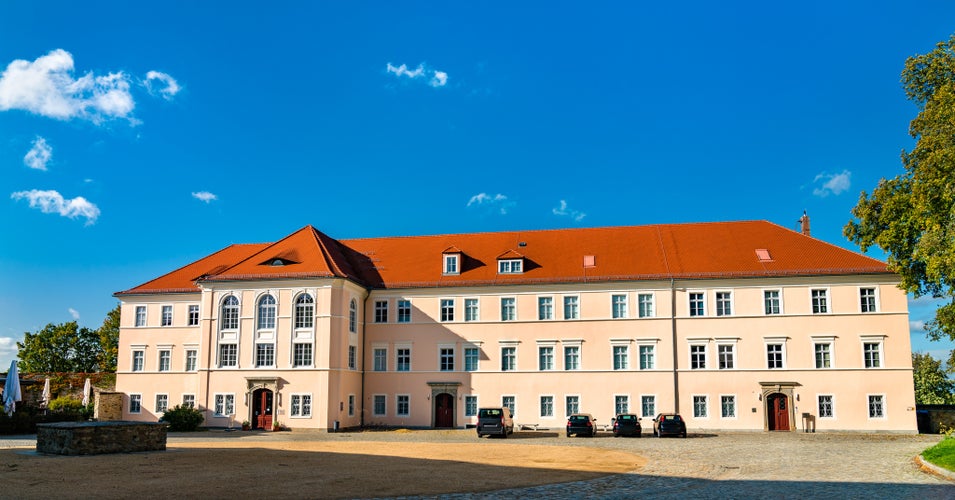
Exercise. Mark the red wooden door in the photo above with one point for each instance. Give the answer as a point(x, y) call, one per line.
point(262, 409)
point(778, 412)
point(444, 411)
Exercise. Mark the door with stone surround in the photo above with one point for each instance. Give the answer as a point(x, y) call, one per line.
point(777, 406)
point(262, 409)
point(444, 411)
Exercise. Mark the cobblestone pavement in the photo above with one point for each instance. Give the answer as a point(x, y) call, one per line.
point(727, 465)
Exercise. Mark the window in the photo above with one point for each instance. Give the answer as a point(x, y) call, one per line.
point(266, 320)
point(353, 316)
point(648, 406)
point(138, 358)
point(451, 264)
point(162, 403)
point(164, 357)
point(825, 406)
point(647, 357)
point(774, 356)
point(380, 356)
point(193, 315)
point(699, 406)
point(135, 403)
point(403, 405)
point(302, 355)
point(191, 359)
point(447, 309)
point(571, 307)
point(547, 406)
point(724, 303)
point(140, 315)
point(471, 310)
point(698, 357)
point(352, 357)
point(727, 356)
point(189, 400)
point(264, 355)
point(379, 407)
point(351, 405)
point(304, 311)
point(645, 305)
point(403, 358)
point(621, 404)
point(381, 311)
point(872, 354)
point(697, 304)
point(618, 306)
point(728, 406)
point(230, 313)
point(511, 403)
point(823, 355)
point(166, 319)
point(545, 357)
point(470, 406)
point(224, 405)
point(621, 356)
point(508, 358)
point(867, 300)
point(404, 311)
point(447, 359)
point(301, 406)
point(771, 302)
point(228, 355)
point(572, 357)
point(572, 404)
point(510, 266)
point(508, 309)
point(876, 406)
point(820, 303)
point(471, 357)
point(545, 308)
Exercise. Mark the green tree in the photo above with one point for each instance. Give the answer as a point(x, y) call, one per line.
point(60, 348)
point(912, 216)
point(932, 386)
point(109, 341)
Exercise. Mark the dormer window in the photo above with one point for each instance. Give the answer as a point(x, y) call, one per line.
point(451, 261)
point(510, 266)
point(278, 262)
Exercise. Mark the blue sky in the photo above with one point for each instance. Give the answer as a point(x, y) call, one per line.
point(135, 138)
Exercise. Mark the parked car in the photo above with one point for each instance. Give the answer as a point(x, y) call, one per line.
point(669, 424)
point(582, 424)
point(626, 424)
point(495, 421)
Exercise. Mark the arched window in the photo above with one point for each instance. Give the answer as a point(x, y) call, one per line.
point(230, 313)
point(353, 316)
point(304, 311)
point(266, 312)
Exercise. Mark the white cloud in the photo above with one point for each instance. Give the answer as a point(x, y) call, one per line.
point(205, 196)
point(52, 202)
point(498, 202)
point(74, 313)
point(39, 155)
point(46, 87)
point(8, 350)
point(562, 210)
point(435, 78)
point(834, 184)
point(917, 326)
point(170, 86)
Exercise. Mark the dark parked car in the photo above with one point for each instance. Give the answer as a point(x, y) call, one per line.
point(626, 424)
point(669, 424)
point(495, 421)
point(582, 424)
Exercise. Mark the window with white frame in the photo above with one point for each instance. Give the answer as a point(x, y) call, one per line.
point(264, 354)
point(545, 357)
point(571, 357)
point(138, 360)
point(648, 406)
point(402, 405)
point(571, 405)
point(353, 316)
point(820, 301)
point(352, 357)
point(446, 355)
point(192, 358)
point(140, 315)
point(697, 304)
point(510, 266)
point(826, 406)
point(193, 315)
point(381, 311)
point(647, 357)
point(470, 406)
point(230, 313)
point(545, 308)
point(228, 355)
point(135, 403)
point(162, 403)
point(621, 404)
point(189, 400)
point(165, 357)
point(471, 310)
point(404, 311)
point(772, 302)
point(224, 405)
point(266, 313)
point(724, 303)
point(700, 406)
point(403, 359)
point(451, 261)
point(621, 357)
point(510, 402)
point(447, 310)
point(876, 406)
point(379, 405)
point(166, 318)
point(822, 352)
point(728, 406)
point(867, 300)
point(301, 354)
point(471, 359)
point(726, 354)
point(304, 311)
point(645, 305)
point(508, 309)
point(508, 358)
point(571, 307)
point(301, 406)
point(547, 406)
point(697, 356)
point(380, 355)
point(774, 356)
point(872, 354)
point(351, 405)
point(618, 306)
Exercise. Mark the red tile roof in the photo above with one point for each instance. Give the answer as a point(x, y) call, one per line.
point(686, 251)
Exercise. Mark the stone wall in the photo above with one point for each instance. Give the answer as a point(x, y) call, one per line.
point(95, 438)
point(108, 406)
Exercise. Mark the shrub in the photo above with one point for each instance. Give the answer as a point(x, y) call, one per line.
point(65, 405)
point(183, 418)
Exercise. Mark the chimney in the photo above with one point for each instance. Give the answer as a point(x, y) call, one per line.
point(804, 224)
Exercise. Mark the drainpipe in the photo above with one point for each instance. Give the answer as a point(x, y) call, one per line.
point(364, 352)
point(676, 377)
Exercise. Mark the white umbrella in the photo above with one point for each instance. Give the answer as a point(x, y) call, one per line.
point(11, 389)
point(86, 392)
point(46, 391)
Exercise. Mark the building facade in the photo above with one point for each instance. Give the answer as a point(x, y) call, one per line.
point(736, 325)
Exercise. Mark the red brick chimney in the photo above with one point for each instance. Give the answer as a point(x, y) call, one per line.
point(804, 224)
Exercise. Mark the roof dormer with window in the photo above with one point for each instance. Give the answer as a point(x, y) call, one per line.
point(451, 261)
point(510, 262)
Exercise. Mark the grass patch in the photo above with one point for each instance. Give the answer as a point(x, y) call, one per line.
point(942, 454)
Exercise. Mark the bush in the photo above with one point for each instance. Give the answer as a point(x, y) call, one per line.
point(65, 409)
point(183, 418)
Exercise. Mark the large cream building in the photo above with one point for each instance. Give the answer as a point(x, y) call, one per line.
point(736, 325)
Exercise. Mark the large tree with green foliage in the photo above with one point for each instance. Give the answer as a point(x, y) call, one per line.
point(912, 216)
point(109, 341)
point(66, 347)
point(932, 386)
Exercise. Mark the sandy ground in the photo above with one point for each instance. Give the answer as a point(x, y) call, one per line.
point(304, 469)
